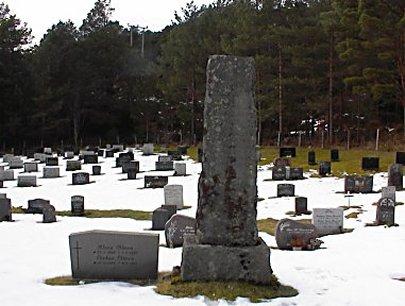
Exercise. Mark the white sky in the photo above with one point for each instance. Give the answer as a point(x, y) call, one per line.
point(40, 15)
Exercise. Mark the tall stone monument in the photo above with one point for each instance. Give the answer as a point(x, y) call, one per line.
point(226, 245)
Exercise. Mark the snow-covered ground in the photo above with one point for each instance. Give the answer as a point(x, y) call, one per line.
point(353, 269)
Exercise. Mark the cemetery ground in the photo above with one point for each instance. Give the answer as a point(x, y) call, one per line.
point(357, 268)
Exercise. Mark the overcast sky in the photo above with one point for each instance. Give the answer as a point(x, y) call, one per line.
point(42, 14)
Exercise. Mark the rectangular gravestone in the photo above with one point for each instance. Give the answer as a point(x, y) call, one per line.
point(5, 210)
point(296, 173)
point(388, 192)
point(334, 155)
point(80, 178)
point(180, 169)
point(73, 165)
point(370, 163)
point(30, 167)
point(51, 172)
point(109, 153)
point(27, 181)
point(164, 166)
point(69, 155)
point(174, 195)
point(36, 206)
point(175, 155)
point(285, 190)
point(328, 221)
point(400, 158)
point(278, 173)
point(311, 158)
point(385, 212)
point(291, 235)
point(91, 159)
point(16, 163)
point(396, 177)
point(133, 165)
point(165, 158)
point(7, 175)
point(159, 218)
point(52, 161)
point(287, 151)
point(358, 184)
point(114, 255)
point(96, 170)
point(77, 205)
point(156, 181)
point(147, 149)
point(325, 168)
point(301, 206)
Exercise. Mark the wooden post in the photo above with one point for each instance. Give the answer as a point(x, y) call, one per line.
point(323, 139)
point(348, 140)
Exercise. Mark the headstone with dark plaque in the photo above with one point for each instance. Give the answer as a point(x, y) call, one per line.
point(36, 206)
point(370, 163)
point(292, 235)
point(359, 184)
point(396, 177)
point(287, 152)
point(311, 158)
point(334, 155)
point(119, 161)
point(278, 173)
point(77, 205)
point(400, 158)
point(282, 162)
point(325, 168)
point(176, 228)
point(114, 255)
point(285, 190)
point(156, 181)
point(385, 212)
point(80, 178)
point(5, 210)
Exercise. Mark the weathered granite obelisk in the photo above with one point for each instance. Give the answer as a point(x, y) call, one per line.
point(226, 244)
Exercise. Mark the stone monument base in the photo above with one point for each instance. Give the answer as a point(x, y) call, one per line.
point(202, 262)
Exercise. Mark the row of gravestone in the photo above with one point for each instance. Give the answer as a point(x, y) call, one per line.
point(34, 206)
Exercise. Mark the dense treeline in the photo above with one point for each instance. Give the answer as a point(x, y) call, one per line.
point(333, 67)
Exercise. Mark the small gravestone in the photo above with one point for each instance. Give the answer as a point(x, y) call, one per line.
point(48, 214)
point(282, 162)
point(119, 161)
point(69, 154)
point(170, 208)
point(7, 157)
point(109, 153)
point(311, 158)
point(114, 255)
point(175, 155)
point(176, 228)
point(118, 147)
point(325, 168)
point(180, 169)
point(164, 166)
point(5, 210)
point(174, 195)
point(131, 174)
point(156, 181)
point(301, 206)
point(285, 190)
point(16, 163)
point(296, 174)
point(147, 149)
point(388, 193)
point(73, 165)
point(100, 153)
point(7, 175)
point(370, 163)
point(400, 158)
point(51, 172)
point(52, 161)
point(358, 184)
point(334, 155)
point(30, 167)
point(287, 152)
point(91, 159)
point(278, 173)
point(77, 205)
point(395, 176)
point(385, 212)
point(30, 153)
point(293, 235)
point(47, 150)
point(41, 157)
point(133, 165)
point(165, 158)
point(328, 221)
point(96, 170)
point(80, 178)
point(36, 206)
point(27, 181)
point(159, 218)
point(130, 154)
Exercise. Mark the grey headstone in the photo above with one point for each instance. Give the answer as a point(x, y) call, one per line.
point(48, 150)
point(80, 178)
point(3, 196)
point(296, 173)
point(395, 176)
point(114, 255)
point(131, 173)
point(130, 165)
point(174, 195)
point(292, 234)
point(147, 149)
point(27, 181)
point(159, 218)
point(301, 205)
point(48, 214)
point(180, 169)
point(311, 158)
point(90, 159)
point(51, 172)
point(96, 170)
point(170, 208)
point(36, 206)
point(388, 192)
point(30, 167)
point(52, 161)
point(285, 190)
point(7, 175)
point(119, 161)
point(176, 228)
point(386, 212)
point(5, 210)
point(358, 184)
point(165, 158)
point(328, 221)
point(69, 154)
point(155, 181)
point(226, 216)
point(164, 166)
point(77, 205)
point(16, 163)
point(73, 165)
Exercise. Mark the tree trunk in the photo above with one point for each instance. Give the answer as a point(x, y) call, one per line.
point(331, 88)
point(280, 93)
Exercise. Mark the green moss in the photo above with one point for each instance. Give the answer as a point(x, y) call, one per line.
point(230, 291)
point(17, 210)
point(69, 281)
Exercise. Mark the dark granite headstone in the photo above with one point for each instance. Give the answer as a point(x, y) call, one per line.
point(285, 190)
point(77, 205)
point(301, 206)
point(287, 152)
point(114, 255)
point(334, 155)
point(5, 210)
point(91, 159)
point(396, 177)
point(36, 206)
point(80, 178)
point(358, 184)
point(176, 228)
point(400, 158)
point(370, 163)
point(73, 165)
point(386, 212)
point(156, 181)
point(109, 153)
point(291, 234)
point(131, 173)
point(182, 150)
point(176, 155)
point(100, 153)
point(325, 168)
point(278, 173)
point(119, 161)
point(134, 165)
point(296, 174)
point(311, 158)
point(27, 181)
point(170, 208)
point(159, 218)
point(48, 214)
point(52, 161)
point(96, 170)
point(164, 166)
